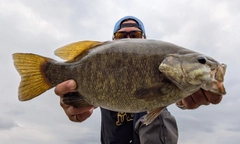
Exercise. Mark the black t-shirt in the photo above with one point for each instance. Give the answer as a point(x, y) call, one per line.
point(118, 127)
point(127, 128)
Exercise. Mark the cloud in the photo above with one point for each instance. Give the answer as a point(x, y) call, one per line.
point(210, 27)
point(7, 123)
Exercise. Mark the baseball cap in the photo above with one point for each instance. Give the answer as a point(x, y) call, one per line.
point(118, 24)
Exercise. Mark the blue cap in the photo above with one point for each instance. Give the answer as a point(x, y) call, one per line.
point(118, 24)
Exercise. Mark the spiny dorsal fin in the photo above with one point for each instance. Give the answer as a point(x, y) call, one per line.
point(69, 52)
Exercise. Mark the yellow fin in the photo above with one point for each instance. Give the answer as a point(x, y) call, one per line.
point(33, 81)
point(152, 114)
point(69, 52)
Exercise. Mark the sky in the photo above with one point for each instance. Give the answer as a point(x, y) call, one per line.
point(40, 27)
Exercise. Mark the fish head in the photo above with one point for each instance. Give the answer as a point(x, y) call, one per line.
point(193, 71)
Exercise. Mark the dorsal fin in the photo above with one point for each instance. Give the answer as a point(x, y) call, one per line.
point(70, 51)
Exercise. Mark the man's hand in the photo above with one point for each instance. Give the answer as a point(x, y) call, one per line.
point(201, 97)
point(74, 114)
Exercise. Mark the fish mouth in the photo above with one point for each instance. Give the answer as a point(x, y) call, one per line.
point(217, 76)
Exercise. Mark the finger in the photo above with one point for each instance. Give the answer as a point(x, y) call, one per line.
point(213, 98)
point(179, 102)
point(189, 103)
point(82, 117)
point(75, 111)
point(70, 110)
point(200, 98)
point(75, 116)
point(65, 87)
point(180, 105)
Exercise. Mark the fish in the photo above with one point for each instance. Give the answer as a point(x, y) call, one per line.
point(128, 75)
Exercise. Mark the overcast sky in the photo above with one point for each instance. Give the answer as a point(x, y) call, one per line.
point(210, 27)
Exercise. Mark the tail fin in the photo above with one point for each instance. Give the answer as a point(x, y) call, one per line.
point(31, 68)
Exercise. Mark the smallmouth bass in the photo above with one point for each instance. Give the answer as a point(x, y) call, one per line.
point(128, 75)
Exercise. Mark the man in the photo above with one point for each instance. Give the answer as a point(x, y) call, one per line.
point(123, 128)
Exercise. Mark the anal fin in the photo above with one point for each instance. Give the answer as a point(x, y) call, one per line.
point(152, 114)
point(75, 99)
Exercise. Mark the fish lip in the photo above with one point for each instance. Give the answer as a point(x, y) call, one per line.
point(221, 88)
point(217, 78)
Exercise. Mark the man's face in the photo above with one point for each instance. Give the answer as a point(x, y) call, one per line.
point(129, 32)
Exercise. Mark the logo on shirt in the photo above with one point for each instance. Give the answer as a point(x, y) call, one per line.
point(123, 116)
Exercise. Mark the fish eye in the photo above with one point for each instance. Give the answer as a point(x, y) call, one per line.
point(201, 60)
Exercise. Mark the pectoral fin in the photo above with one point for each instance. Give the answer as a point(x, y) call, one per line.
point(152, 114)
point(151, 92)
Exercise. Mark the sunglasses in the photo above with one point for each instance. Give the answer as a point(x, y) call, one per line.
point(131, 34)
